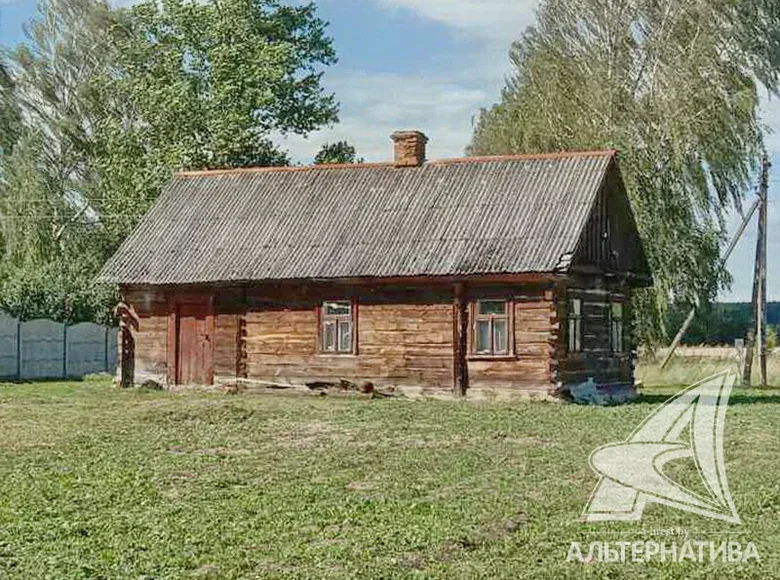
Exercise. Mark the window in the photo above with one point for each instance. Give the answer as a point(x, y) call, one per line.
point(575, 325)
point(616, 326)
point(491, 328)
point(337, 328)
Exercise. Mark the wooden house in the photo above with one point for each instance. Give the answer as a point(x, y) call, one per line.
point(478, 276)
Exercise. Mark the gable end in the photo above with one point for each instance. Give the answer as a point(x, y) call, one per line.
point(610, 243)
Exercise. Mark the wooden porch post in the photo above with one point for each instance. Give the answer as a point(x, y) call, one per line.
point(461, 341)
point(128, 323)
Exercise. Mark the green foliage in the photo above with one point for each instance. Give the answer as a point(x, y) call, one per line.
point(673, 87)
point(62, 290)
point(106, 104)
point(771, 337)
point(720, 323)
point(10, 119)
point(341, 152)
point(209, 81)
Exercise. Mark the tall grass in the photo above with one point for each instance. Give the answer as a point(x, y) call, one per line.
point(686, 370)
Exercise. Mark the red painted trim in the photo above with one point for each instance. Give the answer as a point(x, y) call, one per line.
point(326, 167)
point(355, 328)
point(243, 170)
point(510, 323)
point(525, 156)
point(353, 301)
point(211, 338)
point(172, 362)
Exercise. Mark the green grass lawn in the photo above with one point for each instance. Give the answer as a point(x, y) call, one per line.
point(98, 483)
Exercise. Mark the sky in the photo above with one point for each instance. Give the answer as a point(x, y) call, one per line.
point(431, 65)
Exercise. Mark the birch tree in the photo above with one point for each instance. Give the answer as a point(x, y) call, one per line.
point(674, 86)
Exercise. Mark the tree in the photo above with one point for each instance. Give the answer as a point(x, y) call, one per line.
point(48, 229)
point(210, 81)
point(204, 85)
point(112, 102)
point(9, 112)
point(673, 86)
point(340, 152)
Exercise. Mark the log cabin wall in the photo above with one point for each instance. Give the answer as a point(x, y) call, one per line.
point(151, 338)
point(596, 359)
point(528, 366)
point(228, 334)
point(406, 337)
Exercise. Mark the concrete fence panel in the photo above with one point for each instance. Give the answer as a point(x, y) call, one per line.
point(42, 349)
point(9, 344)
point(85, 349)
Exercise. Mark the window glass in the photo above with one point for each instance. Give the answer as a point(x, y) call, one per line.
point(492, 307)
point(338, 308)
point(337, 327)
point(483, 337)
point(491, 327)
point(500, 345)
point(575, 325)
point(329, 336)
point(345, 336)
point(616, 319)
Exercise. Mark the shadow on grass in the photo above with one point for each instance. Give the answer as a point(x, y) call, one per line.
point(735, 399)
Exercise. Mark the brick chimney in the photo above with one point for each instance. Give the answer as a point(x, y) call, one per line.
point(409, 148)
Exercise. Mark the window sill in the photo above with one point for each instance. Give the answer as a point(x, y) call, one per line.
point(336, 355)
point(492, 357)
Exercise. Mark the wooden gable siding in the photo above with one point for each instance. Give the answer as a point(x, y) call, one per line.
point(610, 242)
point(596, 360)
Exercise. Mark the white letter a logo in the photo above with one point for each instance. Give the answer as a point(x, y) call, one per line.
point(632, 472)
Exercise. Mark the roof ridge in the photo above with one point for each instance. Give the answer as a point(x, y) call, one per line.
point(445, 161)
point(282, 169)
point(529, 156)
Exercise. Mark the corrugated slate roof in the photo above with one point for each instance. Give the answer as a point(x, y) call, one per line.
point(504, 215)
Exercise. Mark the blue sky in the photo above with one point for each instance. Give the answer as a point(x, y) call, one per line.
point(430, 65)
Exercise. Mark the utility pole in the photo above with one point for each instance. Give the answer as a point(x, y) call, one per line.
point(692, 314)
point(757, 329)
point(763, 235)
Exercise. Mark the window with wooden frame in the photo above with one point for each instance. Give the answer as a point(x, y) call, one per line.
point(337, 327)
point(492, 328)
point(575, 325)
point(616, 326)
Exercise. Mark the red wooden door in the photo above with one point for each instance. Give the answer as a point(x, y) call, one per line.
point(193, 350)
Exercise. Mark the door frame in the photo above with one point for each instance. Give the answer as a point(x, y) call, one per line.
point(175, 302)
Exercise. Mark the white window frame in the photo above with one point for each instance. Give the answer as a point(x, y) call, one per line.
point(491, 319)
point(616, 325)
point(574, 317)
point(341, 324)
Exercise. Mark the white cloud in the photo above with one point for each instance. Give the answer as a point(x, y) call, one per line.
point(770, 115)
point(487, 18)
point(375, 105)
